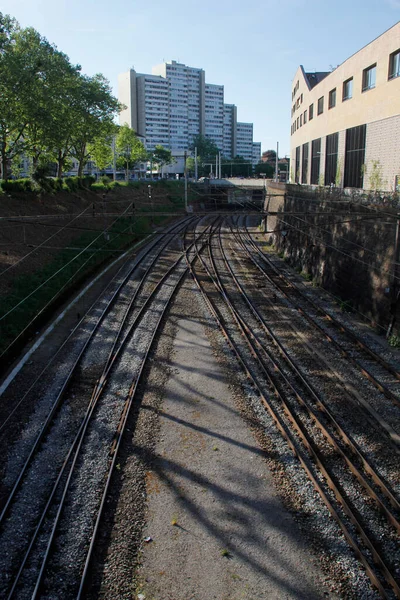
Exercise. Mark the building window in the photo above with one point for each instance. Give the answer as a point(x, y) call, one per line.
point(347, 89)
point(297, 173)
point(315, 160)
point(332, 144)
point(320, 109)
point(332, 98)
point(298, 122)
point(369, 78)
point(304, 164)
point(305, 117)
point(301, 120)
point(355, 156)
point(394, 65)
point(311, 112)
point(301, 99)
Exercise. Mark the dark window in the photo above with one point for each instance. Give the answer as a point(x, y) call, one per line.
point(305, 117)
point(348, 89)
point(355, 156)
point(369, 78)
point(301, 120)
point(297, 174)
point(311, 112)
point(301, 99)
point(315, 160)
point(332, 142)
point(298, 122)
point(320, 105)
point(394, 64)
point(304, 164)
point(332, 98)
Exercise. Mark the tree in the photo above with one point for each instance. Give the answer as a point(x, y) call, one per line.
point(129, 148)
point(101, 152)
point(268, 156)
point(161, 156)
point(237, 167)
point(206, 148)
point(94, 112)
point(264, 169)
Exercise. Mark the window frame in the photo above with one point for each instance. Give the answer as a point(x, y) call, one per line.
point(332, 95)
point(391, 74)
point(320, 106)
point(311, 112)
point(365, 87)
point(305, 117)
point(347, 81)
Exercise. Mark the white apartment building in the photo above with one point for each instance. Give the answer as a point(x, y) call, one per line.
point(174, 104)
point(346, 123)
point(256, 153)
point(230, 125)
point(214, 114)
point(244, 141)
point(186, 90)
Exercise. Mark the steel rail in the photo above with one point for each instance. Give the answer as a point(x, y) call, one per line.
point(288, 436)
point(120, 431)
point(76, 446)
point(394, 437)
point(340, 326)
point(60, 396)
point(322, 406)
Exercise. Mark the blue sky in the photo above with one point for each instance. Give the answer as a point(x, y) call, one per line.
point(252, 49)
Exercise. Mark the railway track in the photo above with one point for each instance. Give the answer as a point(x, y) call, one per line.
point(58, 535)
point(348, 482)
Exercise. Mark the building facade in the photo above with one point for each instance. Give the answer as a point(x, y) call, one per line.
point(174, 104)
point(244, 141)
point(345, 126)
point(256, 153)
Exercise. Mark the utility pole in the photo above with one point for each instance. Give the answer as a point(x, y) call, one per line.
point(186, 182)
point(216, 166)
point(195, 164)
point(114, 159)
point(276, 161)
point(220, 174)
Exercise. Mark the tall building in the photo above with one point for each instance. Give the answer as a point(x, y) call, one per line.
point(230, 126)
point(174, 104)
point(186, 90)
point(244, 141)
point(256, 153)
point(346, 123)
point(214, 114)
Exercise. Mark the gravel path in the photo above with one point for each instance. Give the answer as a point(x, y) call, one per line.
point(218, 528)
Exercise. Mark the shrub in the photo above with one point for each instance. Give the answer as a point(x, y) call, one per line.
point(17, 185)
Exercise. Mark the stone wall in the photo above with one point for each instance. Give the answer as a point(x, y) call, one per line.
point(346, 247)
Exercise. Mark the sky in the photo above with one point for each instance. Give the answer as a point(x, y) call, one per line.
point(252, 49)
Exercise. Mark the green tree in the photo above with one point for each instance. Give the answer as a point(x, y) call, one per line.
point(206, 148)
point(161, 156)
point(101, 152)
point(237, 167)
point(264, 169)
point(94, 112)
point(130, 149)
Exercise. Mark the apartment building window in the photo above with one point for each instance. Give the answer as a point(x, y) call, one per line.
point(315, 160)
point(320, 108)
point(298, 122)
point(355, 156)
point(347, 89)
point(310, 112)
point(305, 117)
point(332, 144)
point(304, 164)
point(301, 120)
point(394, 64)
point(297, 173)
point(332, 98)
point(369, 78)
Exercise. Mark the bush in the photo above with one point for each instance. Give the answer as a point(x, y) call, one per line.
point(17, 185)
